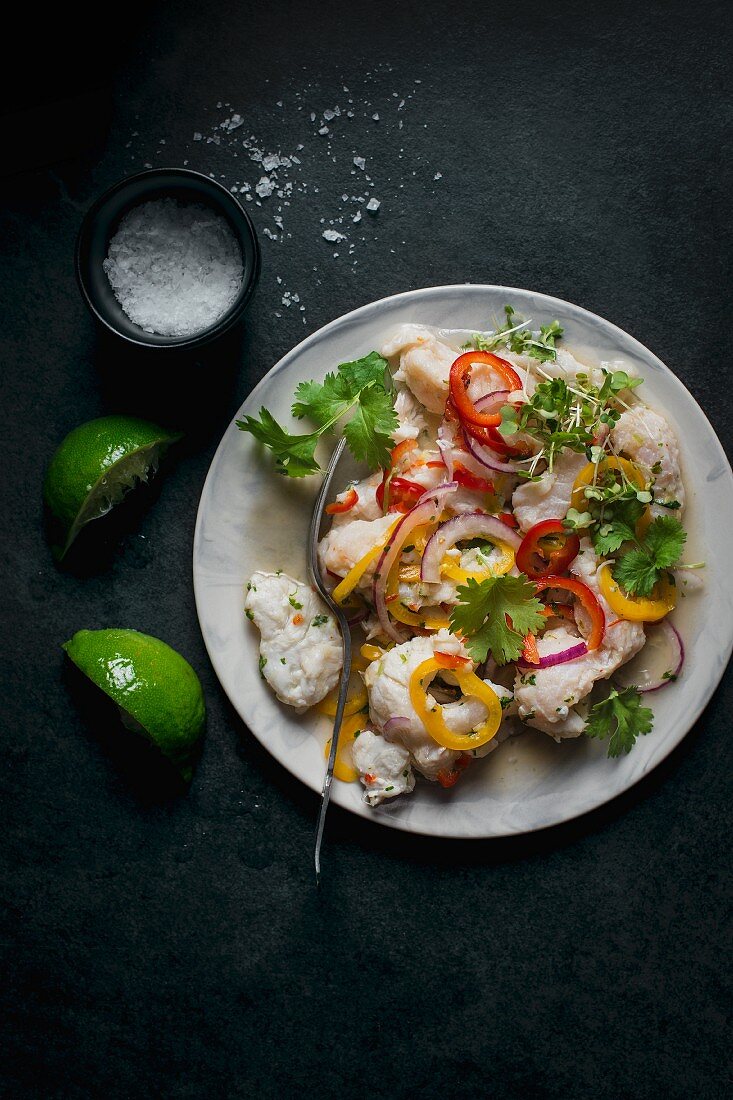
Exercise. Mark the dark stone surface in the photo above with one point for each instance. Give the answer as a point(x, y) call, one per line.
point(175, 946)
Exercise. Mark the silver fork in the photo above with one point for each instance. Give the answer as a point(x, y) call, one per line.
point(337, 612)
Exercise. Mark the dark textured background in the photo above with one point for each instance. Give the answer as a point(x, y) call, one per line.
point(159, 944)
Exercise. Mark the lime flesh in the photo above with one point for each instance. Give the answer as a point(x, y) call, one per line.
point(96, 465)
point(158, 692)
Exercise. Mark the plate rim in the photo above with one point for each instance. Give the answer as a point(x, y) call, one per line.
point(385, 819)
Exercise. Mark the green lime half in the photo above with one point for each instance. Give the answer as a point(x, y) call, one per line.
point(96, 465)
point(156, 689)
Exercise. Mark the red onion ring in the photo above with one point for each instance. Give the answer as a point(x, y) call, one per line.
point(445, 446)
point(423, 512)
point(670, 638)
point(395, 725)
point(560, 658)
point(469, 525)
point(483, 454)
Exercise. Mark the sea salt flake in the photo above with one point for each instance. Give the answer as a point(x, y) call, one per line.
point(197, 136)
point(271, 162)
point(375, 116)
point(333, 235)
point(438, 176)
point(373, 205)
point(265, 187)
point(360, 163)
point(329, 114)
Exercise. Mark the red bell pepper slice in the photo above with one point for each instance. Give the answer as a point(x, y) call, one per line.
point(460, 377)
point(587, 600)
point(345, 505)
point(403, 494)
point(538, 559)
point(448, 778)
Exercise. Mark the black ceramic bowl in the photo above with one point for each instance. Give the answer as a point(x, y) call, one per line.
point(100, 225)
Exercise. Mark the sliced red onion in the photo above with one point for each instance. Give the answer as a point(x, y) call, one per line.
point(561, 658)
point(358, 616)
point(425, 510)
point(470, 525)
point(690, 578)
point(445, 445)
point(662, 636)
point(395, 725)
point(483, 454)
point(487, 458)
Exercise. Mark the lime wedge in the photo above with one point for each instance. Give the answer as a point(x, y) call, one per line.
point(96, 465)
point(157, 691)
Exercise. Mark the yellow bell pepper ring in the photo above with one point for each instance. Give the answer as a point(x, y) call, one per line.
point(430, 713)
point(631, 472)
point(637, 609)
point(449, 566)
point(352, 578)
point(350, 728)
point(354, 703)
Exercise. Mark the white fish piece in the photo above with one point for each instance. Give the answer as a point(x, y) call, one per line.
point(567, 367)
point(425, 364)
point(549, 498)
point(366, 506)
point(300, 660)
point(547, 698)
point(384, 767)
point(387, 682)
point(410, 415)
point(346, 543)
point(644, 436)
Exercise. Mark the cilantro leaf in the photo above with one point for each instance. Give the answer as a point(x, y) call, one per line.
point(636, 573)
point(481, 616)
point(324, 402)
point(294, 454)
point(664, 541)
point(358, 386)
point(369, 430)
point(618, 525)
point(638, 570)
point(361, 372)
point(620, 717)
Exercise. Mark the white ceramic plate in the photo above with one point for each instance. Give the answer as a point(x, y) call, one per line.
point(251, 518)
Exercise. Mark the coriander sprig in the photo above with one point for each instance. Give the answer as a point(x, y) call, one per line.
point(621, 718)
point(358, 388)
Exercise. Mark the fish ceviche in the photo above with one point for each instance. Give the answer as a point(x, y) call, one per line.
point(516, 543)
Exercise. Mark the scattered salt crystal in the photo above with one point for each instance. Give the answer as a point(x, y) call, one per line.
point(357, 217)
point(232, 123)
point(373, 205)
point(328, 115)
point(268, 233)
point(360, 162)
point(265, 187)
point(323, 130)
point(174, 268)
point(270, 162)
point(375, 116)
point(438, 176)
point(333, 235)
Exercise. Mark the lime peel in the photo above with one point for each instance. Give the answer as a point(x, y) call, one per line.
point(155, 688)
point(96, 465)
